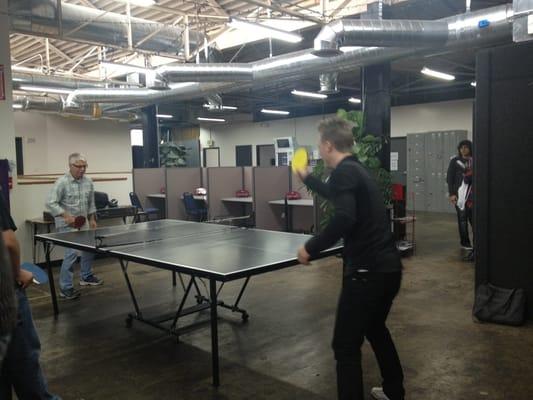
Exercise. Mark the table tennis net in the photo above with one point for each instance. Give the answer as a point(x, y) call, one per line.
point(140, 235)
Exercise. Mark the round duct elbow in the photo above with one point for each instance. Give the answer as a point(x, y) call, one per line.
point(328, 83)
point(326, 43)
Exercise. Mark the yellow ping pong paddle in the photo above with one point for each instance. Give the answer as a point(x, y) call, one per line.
point(299, 161)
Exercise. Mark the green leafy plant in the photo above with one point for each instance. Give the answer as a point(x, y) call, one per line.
point(172, 155)
point(367, 148)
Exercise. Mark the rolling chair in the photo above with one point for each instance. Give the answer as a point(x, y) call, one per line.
point(192, 208)
point(141, 211)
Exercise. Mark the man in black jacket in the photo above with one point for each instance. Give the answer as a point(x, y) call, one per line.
point(372, 268)
point(459, 189)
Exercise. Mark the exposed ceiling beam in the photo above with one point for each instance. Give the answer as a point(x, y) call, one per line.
point(284, 10)
point(163, 26)
point(218, 8)
point(59, 52)
point(87, 3)
point(211, 40)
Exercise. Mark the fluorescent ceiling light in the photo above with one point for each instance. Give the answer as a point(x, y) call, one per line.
point(164, 116)
point(473, 84)
point(17, 106)
point(277, 112)
point(211, 119)
point(354, 100)
point(223, 107)
point(309, 94)
point(125, 68)
point(437, 74)
point(267, 30)
point(347, 49)
point(43, 89)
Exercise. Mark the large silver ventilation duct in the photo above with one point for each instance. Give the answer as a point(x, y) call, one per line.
point(288, 67)
point(407, 33)
point(206, 72)
point(90, 25)
point(52, 106)
point(21, 79)
point(386, 33)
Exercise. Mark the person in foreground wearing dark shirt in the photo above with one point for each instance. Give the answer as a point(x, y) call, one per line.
point(372, 269)
point(21, 369)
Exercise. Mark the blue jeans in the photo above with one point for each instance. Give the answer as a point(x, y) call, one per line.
point(67, 267)
point(21, 370)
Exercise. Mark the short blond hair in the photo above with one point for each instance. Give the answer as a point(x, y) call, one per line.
point(338, 132)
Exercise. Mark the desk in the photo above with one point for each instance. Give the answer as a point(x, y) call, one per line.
point(288, 213)
point(248, 199)
point(37, 224)
point(160, 198)
point(157, 196)
point(299, 202)
point(216, 253)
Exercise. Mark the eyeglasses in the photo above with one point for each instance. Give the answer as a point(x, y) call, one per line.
point(80, 166)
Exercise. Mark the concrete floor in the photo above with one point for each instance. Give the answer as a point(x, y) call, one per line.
point(283, 352)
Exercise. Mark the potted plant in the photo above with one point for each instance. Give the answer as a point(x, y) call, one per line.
point(172, 155)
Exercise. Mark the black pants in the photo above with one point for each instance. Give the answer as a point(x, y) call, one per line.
point(463, 218)
point(364, 304)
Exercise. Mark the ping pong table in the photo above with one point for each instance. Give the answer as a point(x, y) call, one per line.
point(217, 253)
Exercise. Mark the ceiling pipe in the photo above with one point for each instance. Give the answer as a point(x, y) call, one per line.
point(472, 29)
point(328, 83)
point(386, 33)
point(408, 33)
point(91, 25)
point(51, 106)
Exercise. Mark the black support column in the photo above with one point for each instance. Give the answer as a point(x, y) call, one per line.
point(503, 145)
point(150, 137)
point(375, 84)
point(375, 92)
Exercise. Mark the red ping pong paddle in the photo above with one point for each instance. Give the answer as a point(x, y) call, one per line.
point(79, 221)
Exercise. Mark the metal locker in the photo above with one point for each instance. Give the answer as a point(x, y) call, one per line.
point(416, 188)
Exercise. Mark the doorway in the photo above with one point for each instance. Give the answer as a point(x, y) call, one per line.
point(265, 155)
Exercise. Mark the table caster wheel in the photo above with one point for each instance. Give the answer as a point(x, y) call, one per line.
point(245, 317)
point(129, 322)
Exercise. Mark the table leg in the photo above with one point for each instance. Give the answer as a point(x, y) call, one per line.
point(33, 233)
point(47, 251)
point(214, 332)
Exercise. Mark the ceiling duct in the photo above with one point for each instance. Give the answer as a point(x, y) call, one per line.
point(214, 102)
point(51, 106)
point(385, 33)
point(91, 25)
point(210, 72)
point(471, 29)
point(21, 79)
point(328, 83)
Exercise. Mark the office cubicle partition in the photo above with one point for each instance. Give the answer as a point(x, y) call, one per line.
point(223, 182)
point(148, 182)
point(178, 181)
point(270, 183)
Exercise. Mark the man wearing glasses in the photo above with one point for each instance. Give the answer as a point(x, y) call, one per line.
point(73, 196)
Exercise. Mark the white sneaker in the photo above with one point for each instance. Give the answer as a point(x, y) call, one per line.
point(378, 394)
